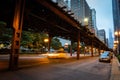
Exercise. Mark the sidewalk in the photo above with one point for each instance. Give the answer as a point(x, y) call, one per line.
point(115, 69)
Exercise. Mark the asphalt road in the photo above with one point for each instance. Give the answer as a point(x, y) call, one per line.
point(87, 68)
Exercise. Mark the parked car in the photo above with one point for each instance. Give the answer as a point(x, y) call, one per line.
point(58, 54)
point(106, 56)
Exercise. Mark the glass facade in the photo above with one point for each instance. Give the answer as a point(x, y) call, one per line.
point(116, 14)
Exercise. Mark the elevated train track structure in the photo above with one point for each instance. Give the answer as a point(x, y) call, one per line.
point(44, 16)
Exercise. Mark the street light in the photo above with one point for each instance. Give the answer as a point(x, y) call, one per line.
point(47, 42)
point(117, 40)
point(86, 21)
point(115, 45)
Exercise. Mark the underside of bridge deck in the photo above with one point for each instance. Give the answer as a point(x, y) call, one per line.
point(43, 16)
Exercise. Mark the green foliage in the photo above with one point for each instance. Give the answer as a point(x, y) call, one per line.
point(36, 40)
point(5, 33)
point(32, 40)
point(28, 39)
point(74, 46)
point(56, 44)
point(118, 56)
point(82, 48)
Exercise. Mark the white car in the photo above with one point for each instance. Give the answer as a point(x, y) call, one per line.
point(105, 56)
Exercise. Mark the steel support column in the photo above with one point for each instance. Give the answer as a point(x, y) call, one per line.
point(49, 42)
point(99, 50)
point(17, 27)
point(78, 45)
point(71, 47)
point(92, 48)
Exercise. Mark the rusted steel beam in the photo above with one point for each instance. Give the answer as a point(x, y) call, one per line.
point(51, 23)
point(58, 12)
point(64, 16)
point(49, 42)
point(92, 45)
point(78, 45)
point(17, 26)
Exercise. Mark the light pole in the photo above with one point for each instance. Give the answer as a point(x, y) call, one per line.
point(86, 22)
point(47, 42)
point(115, 48)
point(117, 38)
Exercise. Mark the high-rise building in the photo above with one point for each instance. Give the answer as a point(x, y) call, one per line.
point(116, 14)
point(68, 4)
point(94, 27)
point(62, 3)
point(110, 39)
point(116, 20)
point(77, 9)
point(81, 11)
point(102, 35)
point(87, 12)
point(107, 42)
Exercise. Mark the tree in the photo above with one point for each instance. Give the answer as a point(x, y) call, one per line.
point(27, 39)
point(56, 44)
point(2, 27)
point(5, 33)
point(36, 40)
point(74, 46)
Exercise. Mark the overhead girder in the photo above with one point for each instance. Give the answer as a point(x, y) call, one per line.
point(54, 23)
point(60, 12)
point(46, 16)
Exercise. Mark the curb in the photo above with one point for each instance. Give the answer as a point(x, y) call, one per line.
point(118, 64)
point(115, 69)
